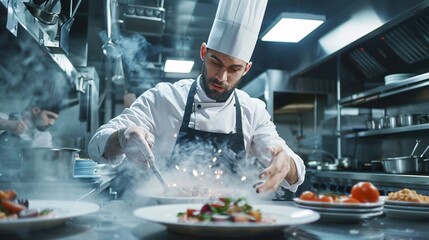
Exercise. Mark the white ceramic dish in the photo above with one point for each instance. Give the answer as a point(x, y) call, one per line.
point(407, 214)
point(339, 205)
point(406, 203)
point(63, 211)
point(347, 217)
point(341, 210)
point(284, 216)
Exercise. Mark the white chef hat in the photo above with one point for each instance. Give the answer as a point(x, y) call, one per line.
point(236, 27)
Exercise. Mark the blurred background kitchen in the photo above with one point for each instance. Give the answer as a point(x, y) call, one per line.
point(347, 98)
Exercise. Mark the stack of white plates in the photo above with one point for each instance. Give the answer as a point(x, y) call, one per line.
point(84, 168)
point(406, 210)
point(397, 77)
point(340, 212)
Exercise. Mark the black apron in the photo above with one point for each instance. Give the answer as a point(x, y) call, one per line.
point(227, 148)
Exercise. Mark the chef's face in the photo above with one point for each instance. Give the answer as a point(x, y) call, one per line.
point(221, 73)
point(43, 119)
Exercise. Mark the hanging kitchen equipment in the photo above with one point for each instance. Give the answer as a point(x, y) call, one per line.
point(46, 15)
point(65, 27)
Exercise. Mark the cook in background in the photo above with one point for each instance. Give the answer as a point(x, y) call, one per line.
point(27, 129)
point(171, 118)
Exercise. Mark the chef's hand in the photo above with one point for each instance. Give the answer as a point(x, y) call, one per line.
point(16, 126)
point(136, 142)
point(282, 167)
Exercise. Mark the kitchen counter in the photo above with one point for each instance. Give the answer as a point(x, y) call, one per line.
point(115, 220)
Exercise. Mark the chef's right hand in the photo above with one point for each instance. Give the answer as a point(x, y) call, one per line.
point(134, 141)
point(17, 126)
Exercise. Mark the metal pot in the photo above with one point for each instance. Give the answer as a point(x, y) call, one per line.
point(426, 165)
point(407, 119)
point(48, 164)
point(406, 164)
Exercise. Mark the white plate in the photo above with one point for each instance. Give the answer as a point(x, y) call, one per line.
point(406, 214)
point(406, 203)
point(339, 205)
point(347, 217)
point(284, 216)
point(341, 210)
point(411, 208)
point(63, 210)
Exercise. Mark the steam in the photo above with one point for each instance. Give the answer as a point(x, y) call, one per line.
point(27, 70)
point(135, 50)
point(200, 174)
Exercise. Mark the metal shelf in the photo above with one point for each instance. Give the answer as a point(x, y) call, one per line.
point(419, 180)
point(409, 90)
point(386, 131)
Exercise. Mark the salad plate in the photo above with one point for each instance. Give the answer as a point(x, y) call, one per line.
point(280, 217)
point(62, 211)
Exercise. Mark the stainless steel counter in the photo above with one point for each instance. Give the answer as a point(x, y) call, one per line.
point(115, 220)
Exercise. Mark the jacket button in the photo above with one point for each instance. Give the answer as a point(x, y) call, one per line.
point(198, 106)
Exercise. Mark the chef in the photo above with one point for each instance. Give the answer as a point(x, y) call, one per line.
point(174, 120)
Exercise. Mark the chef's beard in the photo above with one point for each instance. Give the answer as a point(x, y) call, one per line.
point(213, 94)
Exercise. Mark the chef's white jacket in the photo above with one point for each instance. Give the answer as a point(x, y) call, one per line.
point(35, 137)
point(160, 110)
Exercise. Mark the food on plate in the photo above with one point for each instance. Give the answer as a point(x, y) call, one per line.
point(362, 192)
point(365, 192)
point(408, 195)
point(224, 209)
point(13, 208)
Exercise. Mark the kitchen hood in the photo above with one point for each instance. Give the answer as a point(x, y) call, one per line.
point(404, 47)
point(396, 39)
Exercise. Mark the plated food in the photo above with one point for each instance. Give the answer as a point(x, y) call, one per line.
point(364, 202)
point(13, 208)
point(362, 192)
point(408, 196)
point(284, 216)
point(407, 204)
point(224, 209)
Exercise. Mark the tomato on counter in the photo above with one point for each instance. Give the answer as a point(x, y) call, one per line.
point(365, 192)
point(309, 196)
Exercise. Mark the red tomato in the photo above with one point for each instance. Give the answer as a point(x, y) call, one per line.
point(365, 192)
point(349, 200)
point(12, 207)
point(308, 196)
point(326, 198)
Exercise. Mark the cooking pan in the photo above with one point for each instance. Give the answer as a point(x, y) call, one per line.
point(48, 164)
point(405, 164)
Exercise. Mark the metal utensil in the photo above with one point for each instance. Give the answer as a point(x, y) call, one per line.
point(424, 152)
point(150, 158)
point(415, 147)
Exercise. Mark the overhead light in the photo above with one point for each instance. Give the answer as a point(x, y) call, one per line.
point(178, 66)
point(292, 27)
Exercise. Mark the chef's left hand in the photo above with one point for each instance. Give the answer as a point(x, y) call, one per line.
point(282, 167)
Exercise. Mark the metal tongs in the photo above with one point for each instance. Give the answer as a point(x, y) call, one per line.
point(150, 158)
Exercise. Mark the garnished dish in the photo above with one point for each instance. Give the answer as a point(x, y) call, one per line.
point(224, 209)
point(18, 215)
point(13, 208)
point(212, 218)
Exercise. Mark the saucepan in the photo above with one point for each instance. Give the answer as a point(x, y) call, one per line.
point(48, 164)
point(404, 164)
